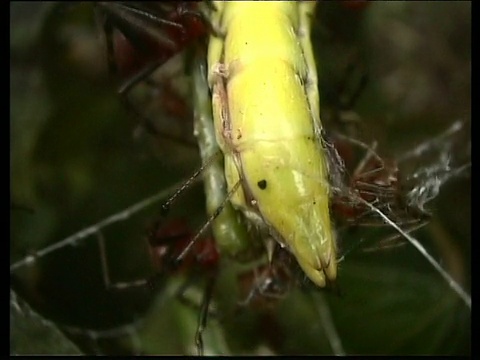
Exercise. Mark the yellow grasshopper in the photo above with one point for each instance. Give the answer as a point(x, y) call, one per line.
point(261, 72)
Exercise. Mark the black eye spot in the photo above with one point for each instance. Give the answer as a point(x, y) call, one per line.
point(262, 184)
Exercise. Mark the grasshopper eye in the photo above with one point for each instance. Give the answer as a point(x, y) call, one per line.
point(262, 184)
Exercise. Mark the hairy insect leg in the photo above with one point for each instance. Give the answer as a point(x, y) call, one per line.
point(134, 18)
point(268, 282)
point(208, 223)
point(375, 180)
point(166, 205)
point(265, 284)
point(371, 157)
point(393, 241)
point(203, 314)
point(204, 307)
point(107, 27)
point(180, 294)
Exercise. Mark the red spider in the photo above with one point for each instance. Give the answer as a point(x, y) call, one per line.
point(148, 33)
point(374, 180)
point(141, 37)
point(167, 243)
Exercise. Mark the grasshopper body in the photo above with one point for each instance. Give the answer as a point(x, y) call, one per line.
point(266, 113)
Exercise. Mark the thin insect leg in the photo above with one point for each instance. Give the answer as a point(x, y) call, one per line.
point(188, 183)
point(360, 174)
point(351, 249)
point(151, 129)
point(260, 288)
point(93, 229)
point(371, 152)
point(270, 282)
point(147, 15)
point(252, 293)
point(106, 272)
point(454, 285)
point(209, 222)
point(203, 315)
point(391, 242)
point(108, 31)
point(265, 285)
point(137, 78)
point(370, 149)
point(130, 83)
point(236, 242)
point(375, 188)
point(165, 268)
point(124, 90)
point(147, 123)
point(180, 293)
point(108, 27)
point(122, 14)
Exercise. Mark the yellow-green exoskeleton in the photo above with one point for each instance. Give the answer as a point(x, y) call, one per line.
point(265, 102)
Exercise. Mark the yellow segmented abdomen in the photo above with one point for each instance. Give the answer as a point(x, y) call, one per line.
point(266, 129)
